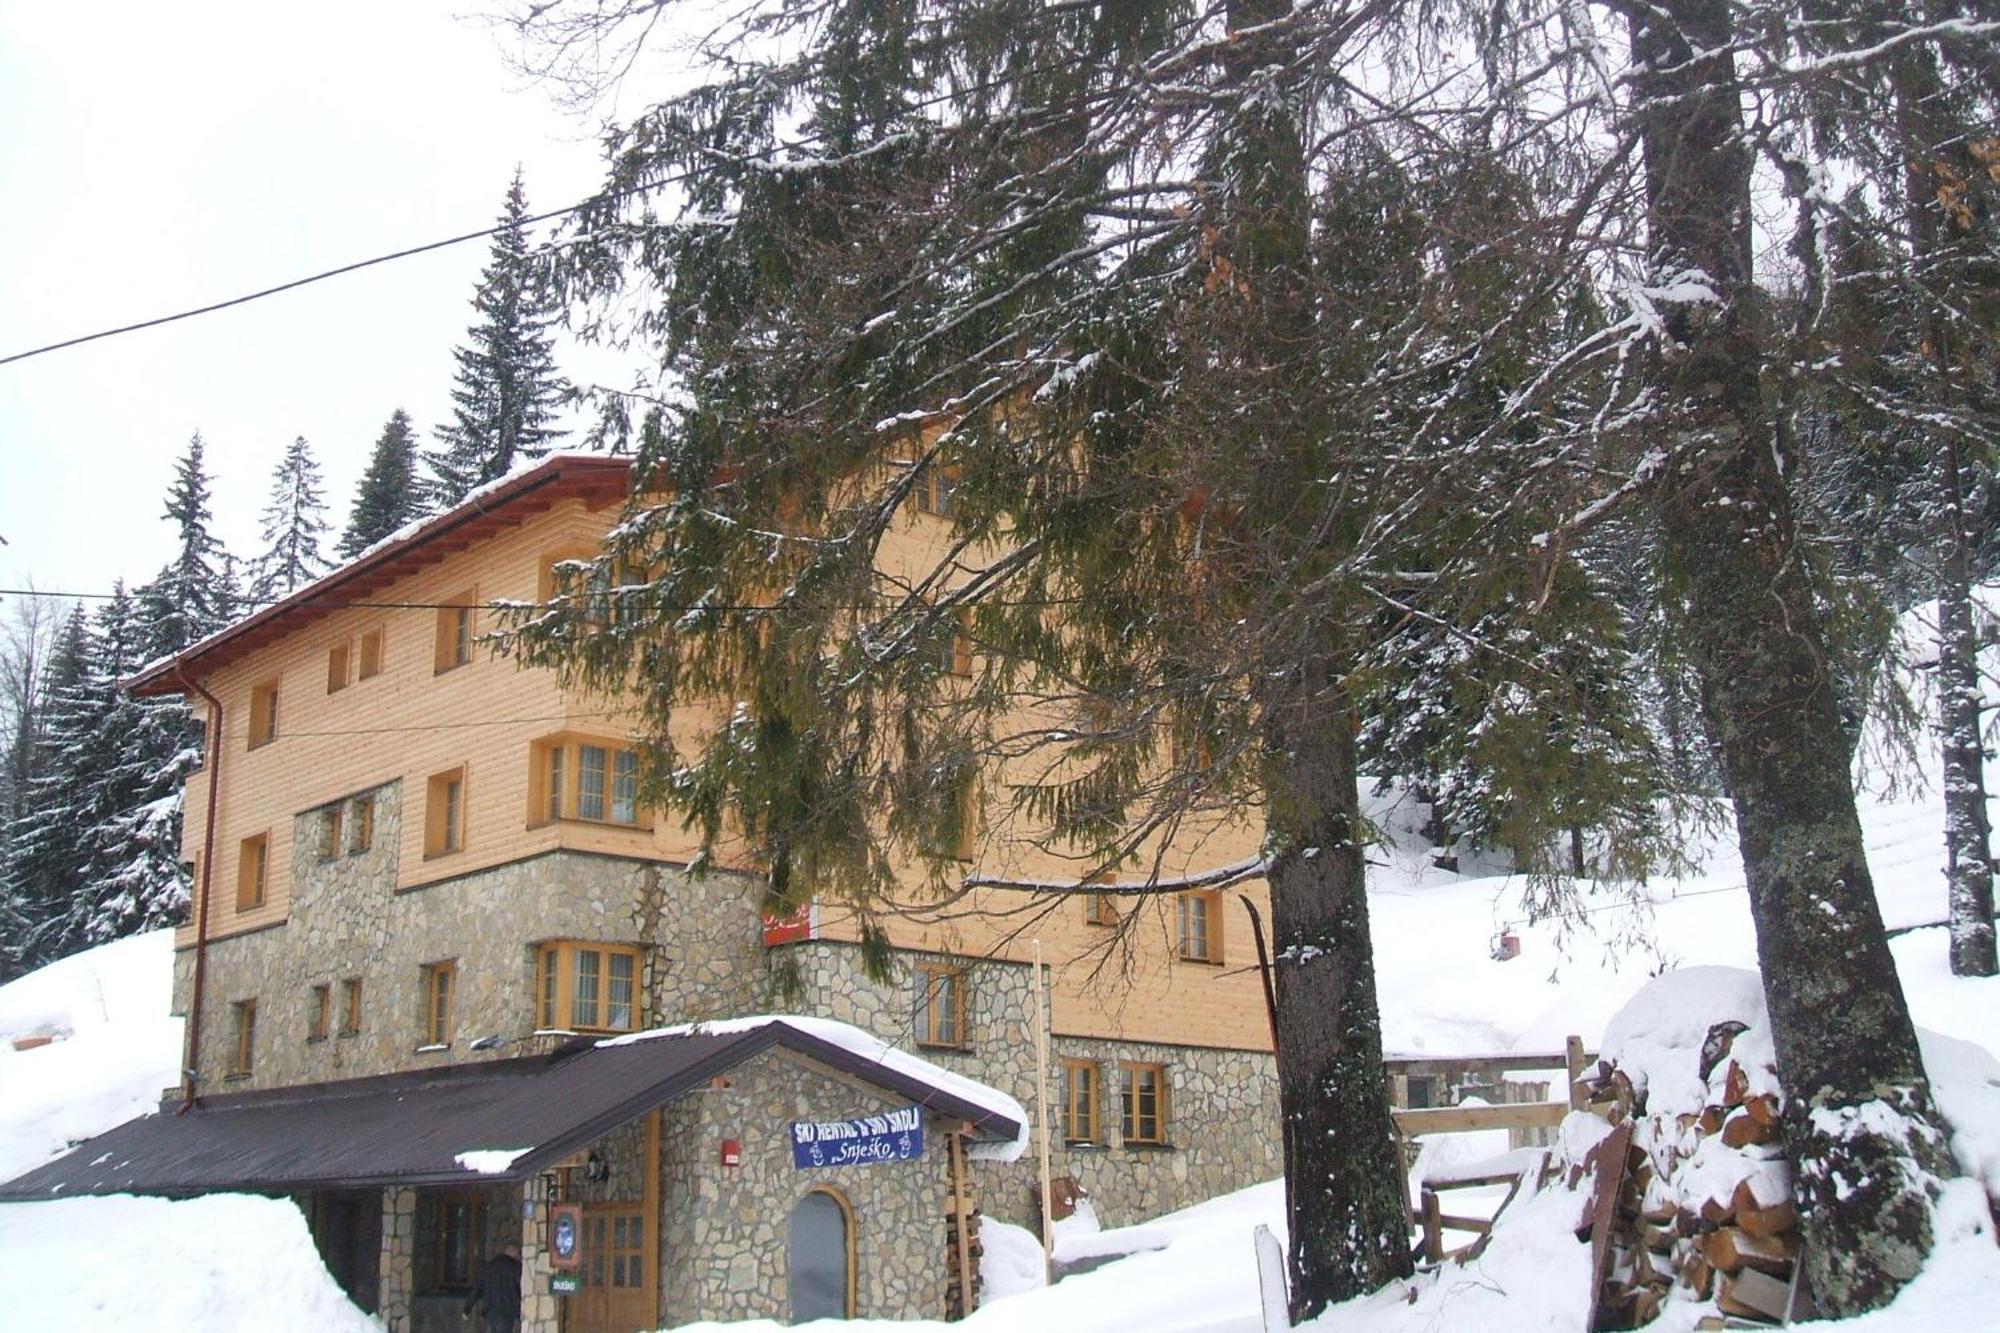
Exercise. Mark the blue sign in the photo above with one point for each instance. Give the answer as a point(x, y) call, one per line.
point(893, 1136)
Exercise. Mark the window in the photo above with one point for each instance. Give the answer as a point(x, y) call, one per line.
point(935, 490)
point(1143, 1094)
point(1422, 1093)
point(1081, 1099)
point(941, 1005)
point(319, 1012)
point(439, 979)
point(1198, 921)
point(452, 1228)
point(336, 668)
point(956, 657)
point(1100, 908)
point(253, 866)
point(329, 832)
point(589, 780)
point(361, 829)
point(454, 631)
point(959, 831)
point(371, 654)
point(444, 814)
point(585, 987)
point(245, 1048)
point(350, 1007)
point(263, 714)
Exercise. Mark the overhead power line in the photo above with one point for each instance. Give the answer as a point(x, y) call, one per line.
point(763, 154)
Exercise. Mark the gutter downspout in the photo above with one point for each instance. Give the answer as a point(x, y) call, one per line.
point(188, 1075)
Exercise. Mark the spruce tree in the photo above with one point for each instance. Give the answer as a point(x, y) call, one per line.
point(189, 598)
point(388, 496)
point(294, 526)
point(506, 390)
point(43, 870)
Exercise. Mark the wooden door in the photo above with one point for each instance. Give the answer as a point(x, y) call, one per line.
point(615, 1255)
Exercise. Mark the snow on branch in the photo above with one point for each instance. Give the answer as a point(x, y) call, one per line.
point(1218, 878)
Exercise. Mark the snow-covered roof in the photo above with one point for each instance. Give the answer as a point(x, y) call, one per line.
point(379, 563)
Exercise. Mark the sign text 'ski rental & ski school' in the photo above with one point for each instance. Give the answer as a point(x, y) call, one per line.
point(893, 1136)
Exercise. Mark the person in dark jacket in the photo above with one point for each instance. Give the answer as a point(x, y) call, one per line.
point(498, 1288)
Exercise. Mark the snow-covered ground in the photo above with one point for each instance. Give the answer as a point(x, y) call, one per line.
point(242, 1263)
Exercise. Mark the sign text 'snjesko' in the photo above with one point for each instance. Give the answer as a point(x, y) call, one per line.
point(893, 1136)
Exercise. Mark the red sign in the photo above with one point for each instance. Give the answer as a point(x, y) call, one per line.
point(732, 1152)
point(792, 927)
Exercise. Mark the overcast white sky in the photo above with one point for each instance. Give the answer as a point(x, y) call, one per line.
point(158, 156)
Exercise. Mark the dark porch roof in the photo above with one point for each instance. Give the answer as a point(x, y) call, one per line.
point(410, 1129)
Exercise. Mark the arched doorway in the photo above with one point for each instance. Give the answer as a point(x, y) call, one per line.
point(820, 1257)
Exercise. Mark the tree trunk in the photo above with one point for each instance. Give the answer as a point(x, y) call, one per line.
point(1344, 1199)
point(1861, 1129)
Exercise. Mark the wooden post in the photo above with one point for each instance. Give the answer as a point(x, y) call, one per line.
point(1573, 1053)
point(1042, 1115)
point(961, 1220)
point(1433, 1227)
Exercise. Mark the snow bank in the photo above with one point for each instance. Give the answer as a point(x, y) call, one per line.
point(1012, 1262)
point(115, 1048)
point(226, 1263)
point(871, 1047)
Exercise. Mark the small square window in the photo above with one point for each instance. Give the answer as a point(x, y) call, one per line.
point(444, 814)
point(263, 714)
point(440, 980)
point(371, 654)
point(454, 631)
point(319, 1012)
point(935, 491)
point(361, 826)
point(243, 1053)
point(1143, 1103)
point(253, 871)
point(941, 993)
point(350, 1007)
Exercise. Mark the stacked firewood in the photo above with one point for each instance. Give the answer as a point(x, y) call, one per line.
point(1703, 1205)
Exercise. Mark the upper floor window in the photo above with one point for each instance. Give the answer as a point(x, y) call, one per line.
point(444, 813)
point(361, 827)
point(440, 980)
point(935, 490)
point(1082, 1101)
point(590, 780)
point(586, 987)
point(956, 657)
point(330, 823)
point(1143, 1098)
point(454, 631)
point(941, 1005)
point(263, 713)
point(253, 872)
point(371, 654)
point(1198, 926)
point(336, 668)
point(1100, 906)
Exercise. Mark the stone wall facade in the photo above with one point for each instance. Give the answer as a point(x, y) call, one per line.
point(1222, 1105)
point(725, 1237)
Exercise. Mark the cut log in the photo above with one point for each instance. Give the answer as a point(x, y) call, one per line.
point(1731, 1249)
point(1735, 1086)
point(1753, 1294)
point(1763, 1108)
point(1759, 1220)
point(1709, 1121)
point(1743, 1129)
point(1698, 1275)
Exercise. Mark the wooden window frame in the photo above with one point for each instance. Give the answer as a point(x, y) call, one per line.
point(264, 702)
point(332, 836)
point(338, 664)
point(350, 1006)
point(319, 1011)
point(1100, 905)
point(440, 994)
point(243, 1049)
point(558, 978)
point(937, 489)
point(444, 1207)
point(1130, 1114)
point(253, 872)
point(1208, 947)
point(947, 980)
point(556, 782)
point(361, 829)
point(957, 659)
point(368, 657)
point(444, 814)
point(1086, 1077)
point(457, 627)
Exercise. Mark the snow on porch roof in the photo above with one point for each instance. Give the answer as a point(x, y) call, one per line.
point(497, 504)
point(503, 1120)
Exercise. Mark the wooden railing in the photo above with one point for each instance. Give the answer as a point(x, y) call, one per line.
point(1414, 1123)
